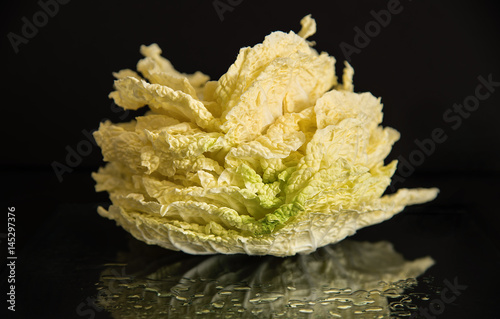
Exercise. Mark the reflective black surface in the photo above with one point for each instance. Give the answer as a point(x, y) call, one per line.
point(344, 280)
point(60, 271)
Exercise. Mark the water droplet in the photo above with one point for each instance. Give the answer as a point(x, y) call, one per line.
point(257, 311)
point(419, 295)
point(306, 310)
point(291, 288)
point(374, 309)
point(411, 306)
point(295, 304)
point(406, 299)
point(114, 265)
point(340, 298)
point(396, 306)
point(153, 290)
point(391, 293)
point(270, 299)
point(332, 291)
point(242, 288)
point(343, 299)
point(375, 292)
point(342, 307)
point(218, 304)
point(411, 281)
point(401, 313)
point(363, 302)
point(335, 314)
point(225, 293)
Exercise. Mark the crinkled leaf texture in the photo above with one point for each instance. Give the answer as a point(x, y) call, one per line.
point(276, 157)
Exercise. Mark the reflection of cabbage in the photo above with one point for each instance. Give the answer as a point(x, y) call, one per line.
point(350, 279)
point(275, 158)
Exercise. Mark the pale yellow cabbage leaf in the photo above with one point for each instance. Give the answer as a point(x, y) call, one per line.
point(276, 157)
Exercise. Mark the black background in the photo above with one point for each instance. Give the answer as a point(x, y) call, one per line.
point(427, 59)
